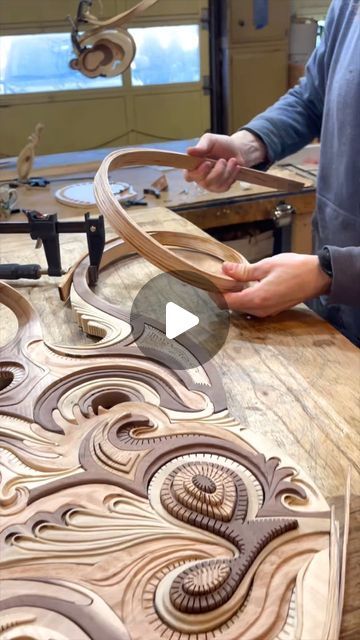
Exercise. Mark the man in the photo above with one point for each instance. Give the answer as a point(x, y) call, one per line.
point(325, 104)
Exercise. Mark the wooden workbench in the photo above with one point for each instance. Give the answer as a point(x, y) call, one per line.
point(242, 204)
point(292, 378)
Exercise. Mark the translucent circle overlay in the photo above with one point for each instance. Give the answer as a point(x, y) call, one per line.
point(197, 345)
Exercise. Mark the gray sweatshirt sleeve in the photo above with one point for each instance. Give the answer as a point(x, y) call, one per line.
point(345, 288)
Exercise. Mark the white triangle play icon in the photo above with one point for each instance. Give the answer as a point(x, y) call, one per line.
point(178, 320)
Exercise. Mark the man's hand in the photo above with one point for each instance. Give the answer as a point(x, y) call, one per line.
point(281, 282)
point(242, 148)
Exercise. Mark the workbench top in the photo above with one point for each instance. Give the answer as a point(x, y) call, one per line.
point(207, 210)
point(292, 378)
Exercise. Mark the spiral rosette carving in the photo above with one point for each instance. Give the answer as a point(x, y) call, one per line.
point(204, 587)
point(214, 582)
point(214, 498)
point(205, 579)
point(204, 488)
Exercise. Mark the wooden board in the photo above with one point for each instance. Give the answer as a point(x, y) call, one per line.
point(279, 376)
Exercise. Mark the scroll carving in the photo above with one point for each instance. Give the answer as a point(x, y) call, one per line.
point(133, 505)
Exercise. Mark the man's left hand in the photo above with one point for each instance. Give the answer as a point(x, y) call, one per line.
point(279, 283)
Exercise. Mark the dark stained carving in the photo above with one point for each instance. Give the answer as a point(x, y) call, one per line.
point(222, 511)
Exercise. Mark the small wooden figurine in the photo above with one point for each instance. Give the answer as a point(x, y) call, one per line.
point(27, 154)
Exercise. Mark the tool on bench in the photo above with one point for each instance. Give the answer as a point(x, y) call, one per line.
point(37, 182)
point(161, 184)
point(151, 191)
point(45, 228)
point(135, 203)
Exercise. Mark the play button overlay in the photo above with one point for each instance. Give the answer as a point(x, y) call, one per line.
point(178, 320)
point(177, 324)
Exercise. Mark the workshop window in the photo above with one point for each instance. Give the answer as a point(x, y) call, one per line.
point(40, 63)
point(166, 55)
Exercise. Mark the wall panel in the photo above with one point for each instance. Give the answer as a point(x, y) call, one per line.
point(259, 76)
point(69, 125)
point(173, 115)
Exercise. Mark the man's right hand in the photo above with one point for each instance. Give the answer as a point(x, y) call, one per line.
point(242, 148)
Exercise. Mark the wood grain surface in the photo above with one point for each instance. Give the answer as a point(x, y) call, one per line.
point(292, 378)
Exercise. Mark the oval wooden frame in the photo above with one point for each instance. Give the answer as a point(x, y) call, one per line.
point(116, 21)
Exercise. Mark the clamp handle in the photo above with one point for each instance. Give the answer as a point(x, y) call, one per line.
point(17, 271)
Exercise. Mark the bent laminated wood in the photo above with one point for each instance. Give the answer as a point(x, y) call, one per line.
point(107, 48)
point(133, 505)
point(164, 257)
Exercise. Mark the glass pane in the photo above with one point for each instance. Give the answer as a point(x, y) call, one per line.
point(320, 31)
point(34, 63)
point(166, 55)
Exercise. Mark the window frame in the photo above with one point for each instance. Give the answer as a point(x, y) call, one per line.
point(41, 97)
point(128, 101)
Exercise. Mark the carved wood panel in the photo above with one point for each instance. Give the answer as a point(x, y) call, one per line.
point(132, 505)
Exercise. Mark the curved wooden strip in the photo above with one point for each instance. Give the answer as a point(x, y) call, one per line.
point(116, 21)
point(76, 603)
point(150, 247)
point(312, 593)
point(212, 249)
point(27, 318)
point(133, 157)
